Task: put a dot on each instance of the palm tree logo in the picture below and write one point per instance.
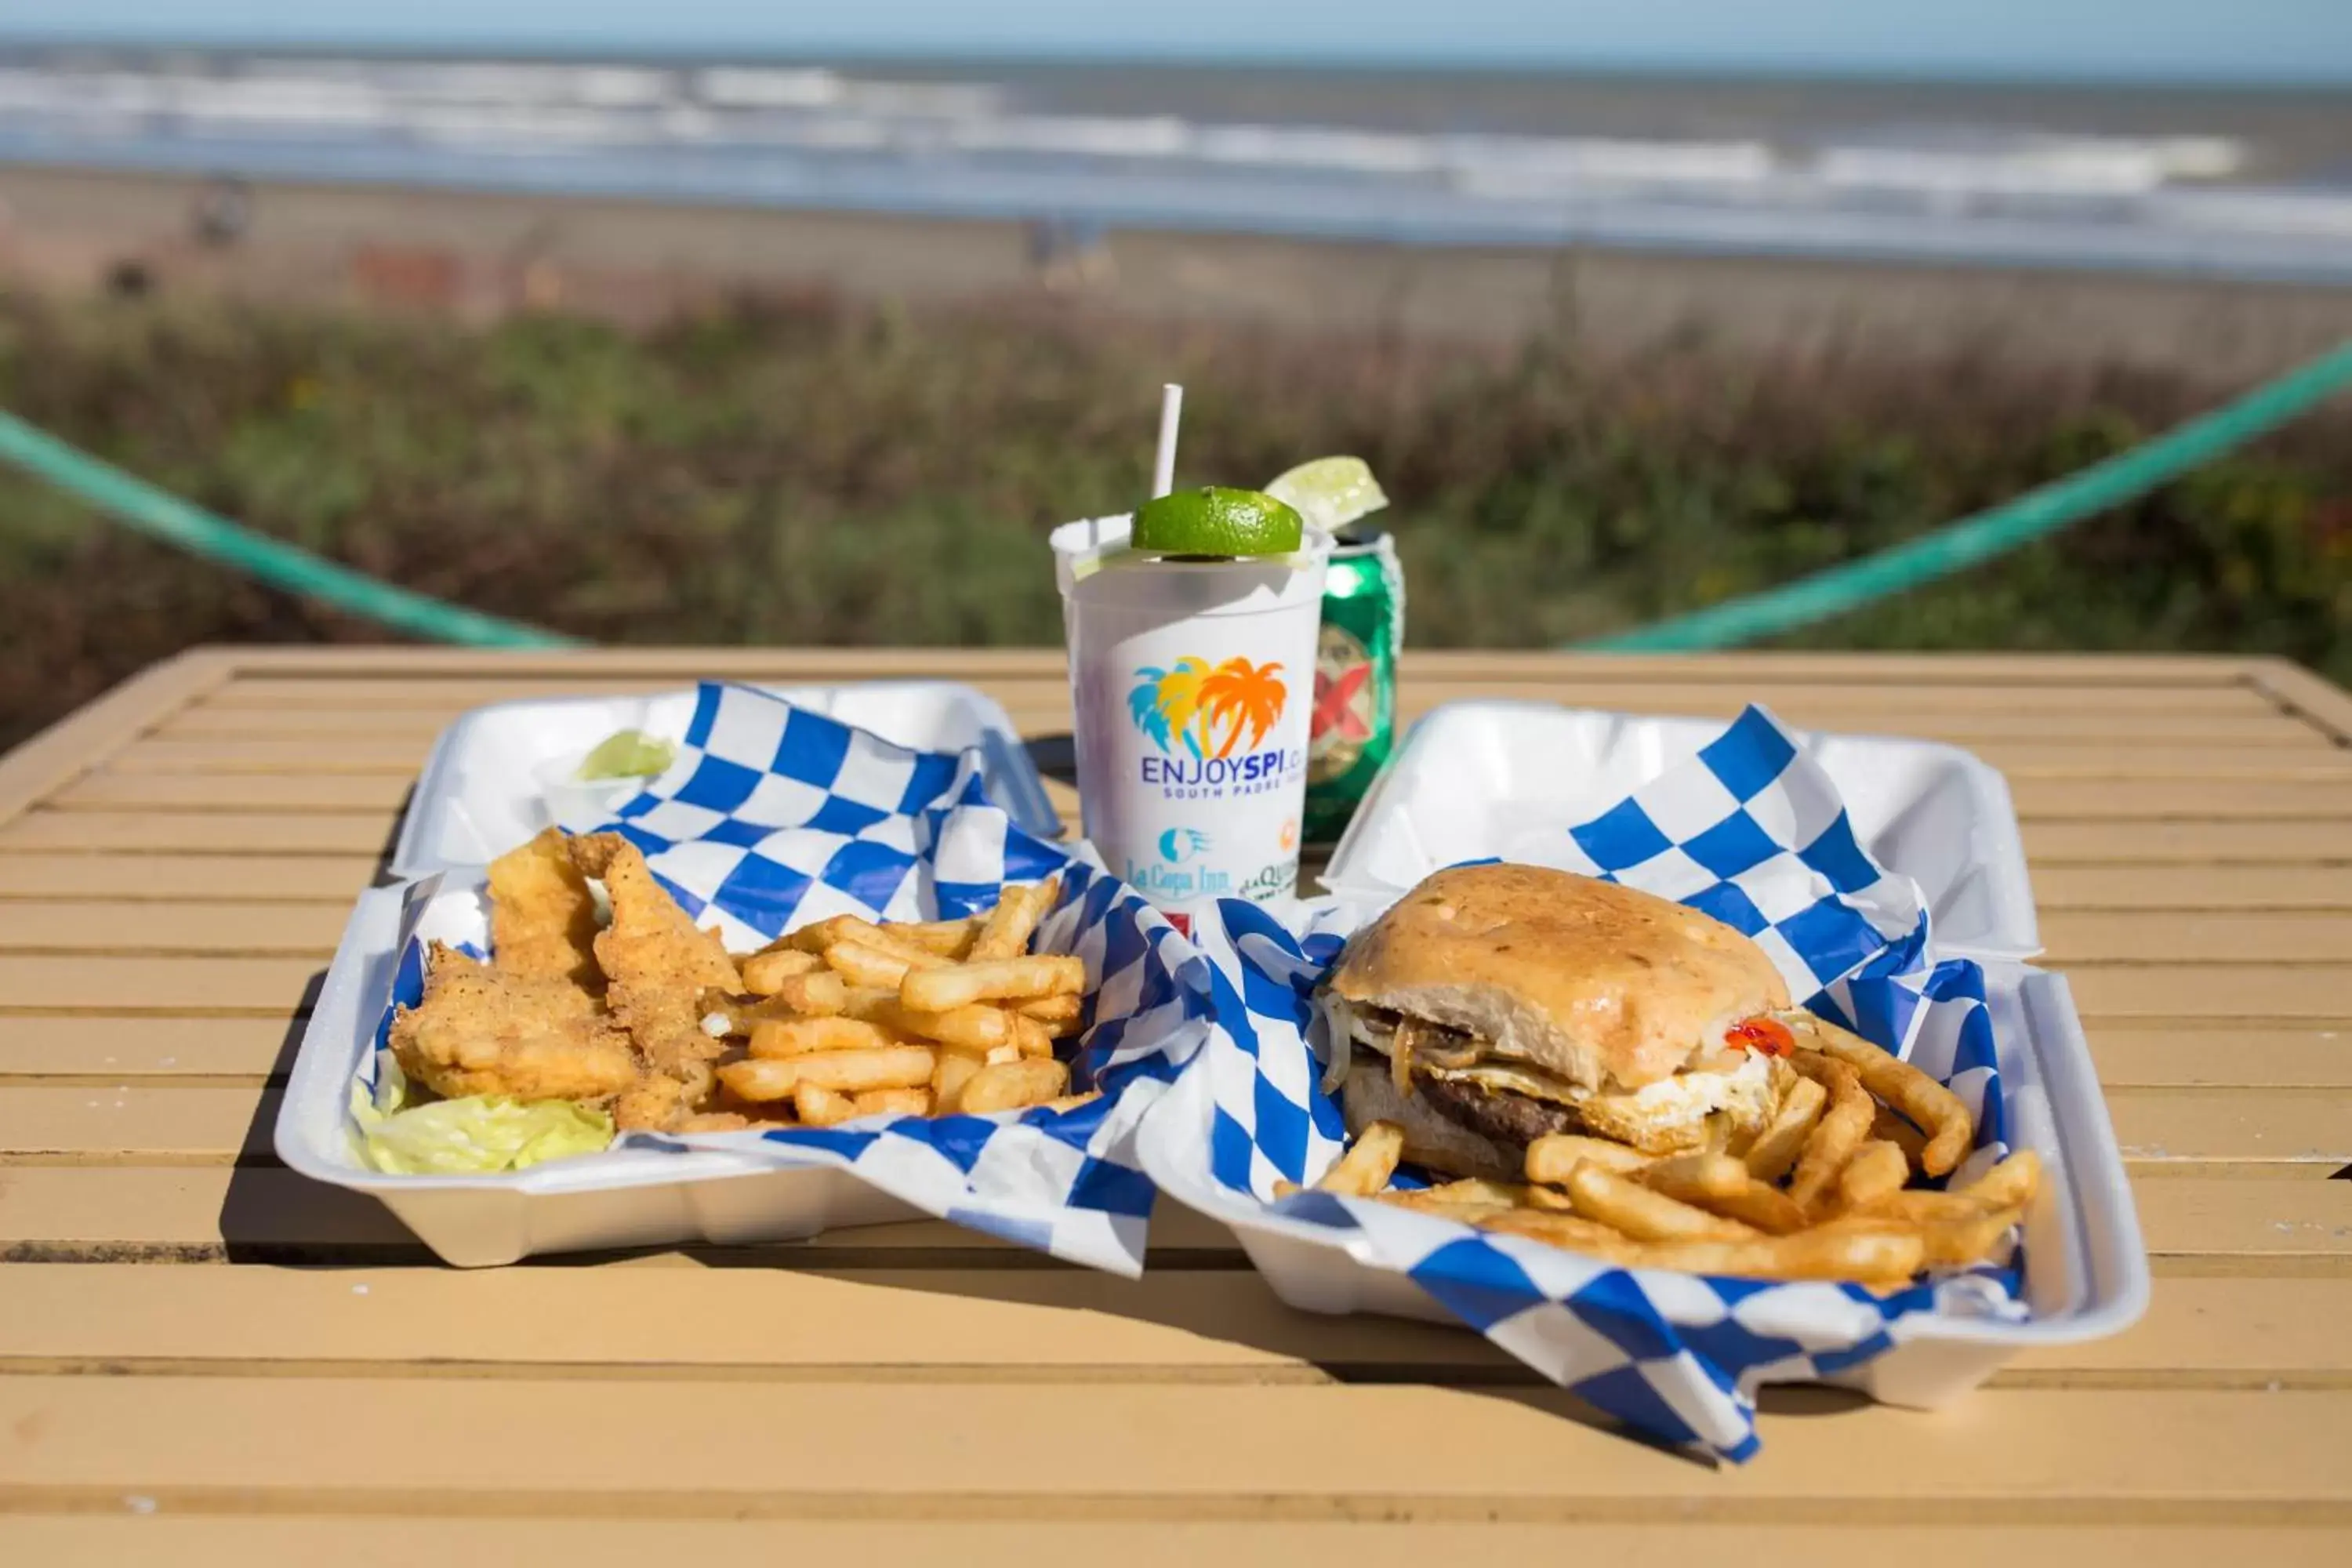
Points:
(1208, 709)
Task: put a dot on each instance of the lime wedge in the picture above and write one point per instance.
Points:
(630, 754)
(1332, 492)
(1216, 521)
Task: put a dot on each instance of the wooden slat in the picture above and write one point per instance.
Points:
(274, 833)
(141, 1124)
(205, 1211)
(2326, 843)
(2309, 1130)
(162, 754)
(2154, 936)
(1033, 1325)
(69, 925)
(2246, 1224)
(272, 986)
(237, 792)
(1170, 1451)
(2158, 800)
(164, 879)
(2056, 759)
(128, 1537)
(2222, 1055)
(76, 742)
(2308, 696)
(2066, 888)
(2236, 992)
(128, 1049)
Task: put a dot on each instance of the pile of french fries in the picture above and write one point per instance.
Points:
(849, 1018)
(1823, 1192)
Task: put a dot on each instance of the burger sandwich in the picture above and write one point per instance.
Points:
(1496, 1004)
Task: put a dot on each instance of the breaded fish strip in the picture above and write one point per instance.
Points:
(543, 916)
(481, 1032)
(658, 966)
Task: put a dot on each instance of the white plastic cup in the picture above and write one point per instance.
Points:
(1193, 683)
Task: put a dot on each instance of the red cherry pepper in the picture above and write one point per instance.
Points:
(1767, 1035)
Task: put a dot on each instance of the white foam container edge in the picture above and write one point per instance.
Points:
(1491, 777)
(623, 1198)
(485, 788)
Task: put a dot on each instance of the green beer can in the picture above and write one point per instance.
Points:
(1354, 725)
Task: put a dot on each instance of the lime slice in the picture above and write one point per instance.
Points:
(1332, 492)
(630, 754)
(1216, 521)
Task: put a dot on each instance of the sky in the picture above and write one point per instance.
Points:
(2302, 40)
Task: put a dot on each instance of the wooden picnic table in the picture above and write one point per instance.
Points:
(211, 1361)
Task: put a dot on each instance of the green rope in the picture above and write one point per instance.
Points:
(163, 516)
(1973, 541)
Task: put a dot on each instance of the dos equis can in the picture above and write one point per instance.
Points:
(1354, 721)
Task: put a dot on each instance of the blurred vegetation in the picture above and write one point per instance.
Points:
(810, 470)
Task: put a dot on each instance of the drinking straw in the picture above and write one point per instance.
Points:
(1163, 465)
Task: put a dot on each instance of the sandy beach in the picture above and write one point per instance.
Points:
(481, 256)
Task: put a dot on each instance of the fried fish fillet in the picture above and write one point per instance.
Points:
(480, 1031)
(543, 916)
(658, 966)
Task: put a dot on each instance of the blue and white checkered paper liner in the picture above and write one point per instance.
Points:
(772, 817)
(1750, 825)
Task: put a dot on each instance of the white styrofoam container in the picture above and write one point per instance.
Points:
(1494, 778)
(632, 1197)
(2085, 1269)
(1501, 778)
(500, 774)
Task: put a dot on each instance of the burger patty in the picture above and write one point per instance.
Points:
(1511, 1119)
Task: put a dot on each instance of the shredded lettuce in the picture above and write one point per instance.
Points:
(477, 1135)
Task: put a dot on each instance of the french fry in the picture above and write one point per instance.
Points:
(1774, 1154)
(1836, 1135)
(1917, 1206)
(820, 1106)
(1060, 1015)
(1955, 1244)
(937, 990)
(1033, 1038)
(845, 1072)
(1890, 1126)
(1876, 1169)
(1574, 1232)
(828, 933)
(1762, 1205)
(1552, 1156)
(819, 993)
(764, 973)
(863, 965)
(1068, 1102)
(893, 1103)
(1645, 1216)
(781, 1038)
(1428, 1200)
(1368, 1163)
(1695, 1178)
(1008, 1086)
(999, 1055)
(1006, 933)
(1950, 1128)
(1824, 1252)
(2010, 1185)
(1720, 1184)
(1478, 1190)
(975, 1029)
(955, 1070)
(948, 939)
